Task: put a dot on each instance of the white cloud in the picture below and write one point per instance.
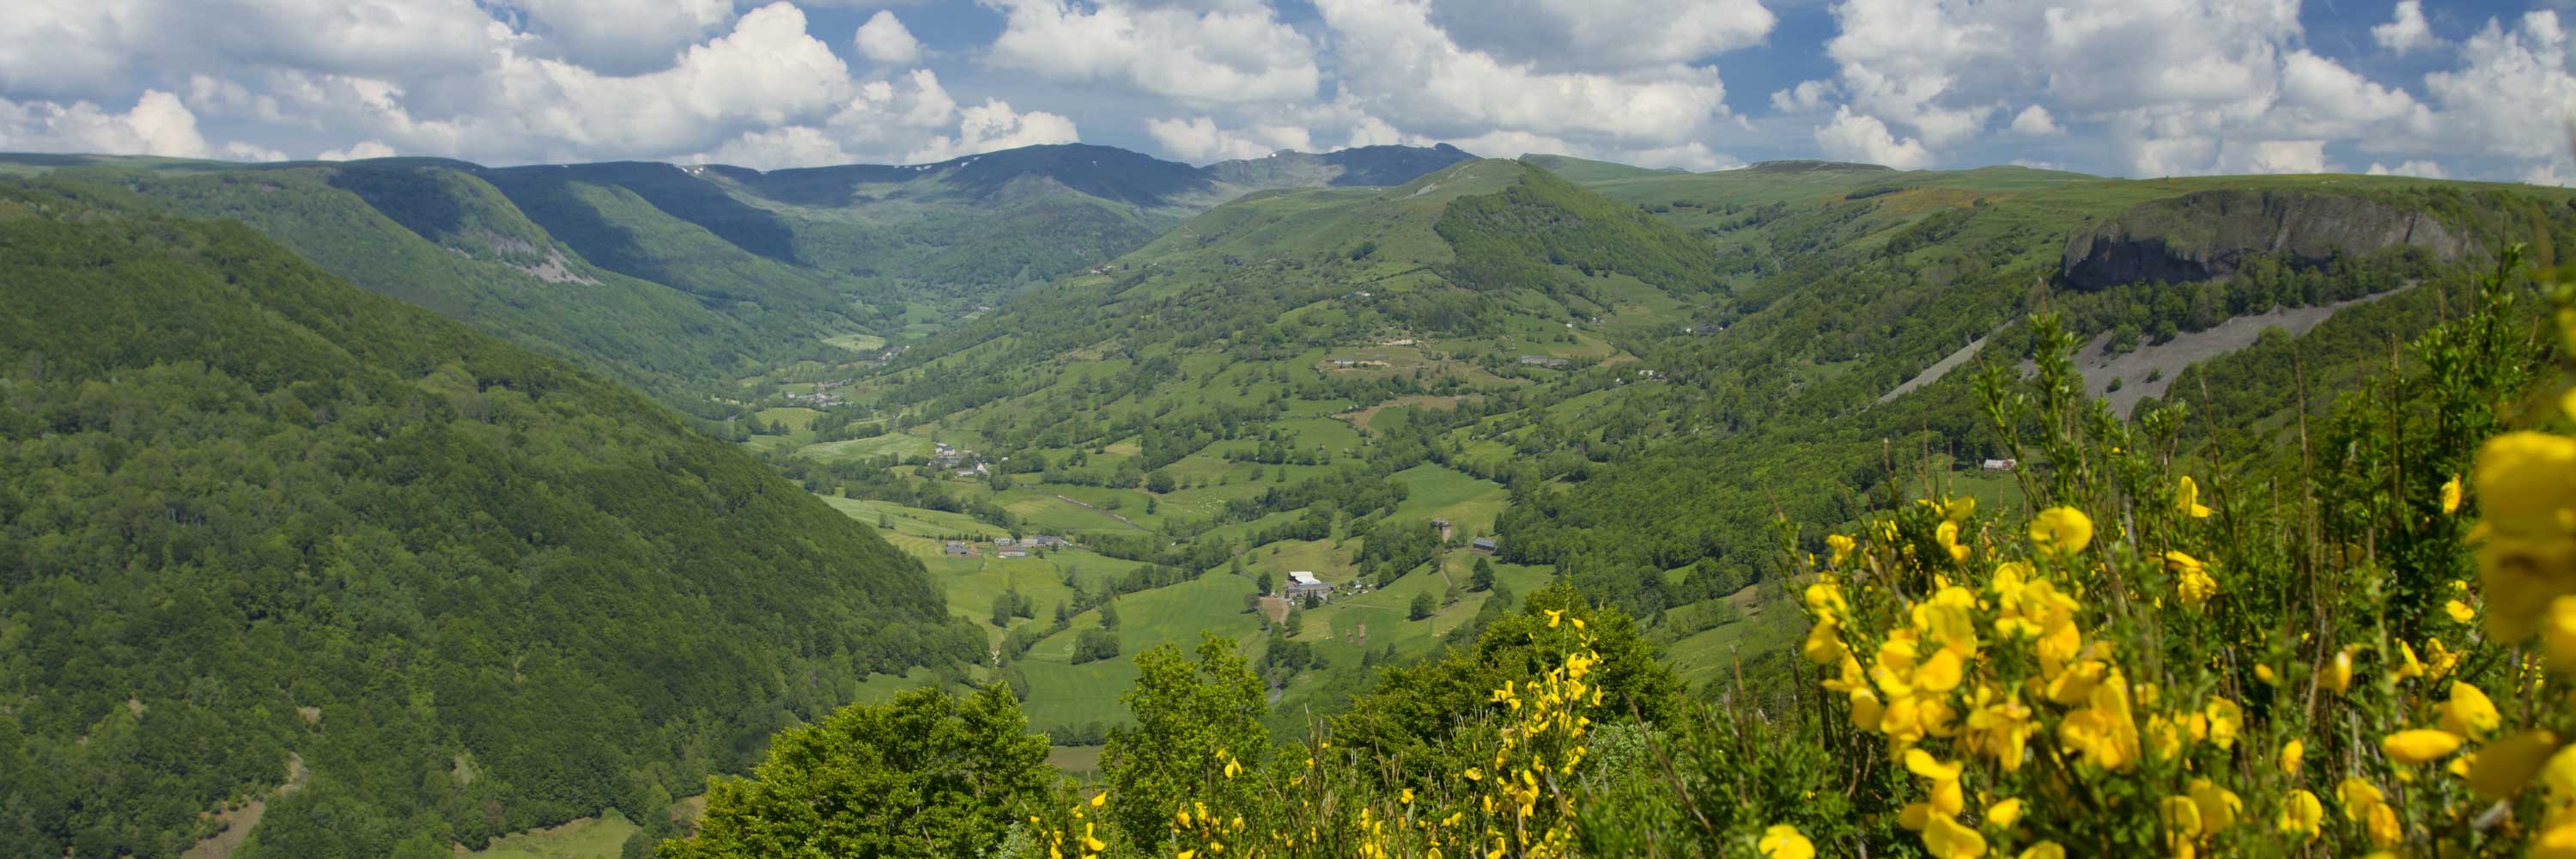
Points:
(2318, 95)
(2420, 169)
(1603, 35)
(1692, 156)
(1234, 53)
(994, 126)
(2273, 156)
(2513, 93)
(1395, 62)
(2547, 174)
(884, 40)
(157, 124)
(2035, 121)
(2407, 31)
(910, 120)
(95, 48)
(1199, 140)
(239, 151)
(1806, 96)
(1861, 137)
(625, 36)
(361, 150)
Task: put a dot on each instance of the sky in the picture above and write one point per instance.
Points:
(2464, 90)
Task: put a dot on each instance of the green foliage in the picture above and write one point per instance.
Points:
(1517, 237)
(1414, 710)
(248, 511)
(1093, 645)
(1189, 714)
(927, 775)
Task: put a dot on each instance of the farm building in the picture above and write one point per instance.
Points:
(1302, 583)
(1486, 545)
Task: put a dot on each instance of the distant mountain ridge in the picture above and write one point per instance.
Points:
(680, 279)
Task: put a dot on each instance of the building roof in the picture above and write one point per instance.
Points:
(1303, 577)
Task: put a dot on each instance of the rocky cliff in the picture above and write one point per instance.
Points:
(2202, 236)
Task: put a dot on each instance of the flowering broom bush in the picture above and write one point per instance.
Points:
(2148, 666)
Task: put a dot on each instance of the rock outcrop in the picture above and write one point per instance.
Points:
(2204, 235)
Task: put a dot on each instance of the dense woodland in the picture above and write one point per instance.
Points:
(250, 514)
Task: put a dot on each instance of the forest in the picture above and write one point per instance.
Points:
(254, 519)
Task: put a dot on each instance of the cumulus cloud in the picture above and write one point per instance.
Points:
(2035, 121)
(1806, 96)
(92, 48)
(910, 119)
(624, 36)
(2419, 169)
(1198, 139)
(1860, 137)
(1233, 52)
(1603, 35)
(2407, 31)
(1397, 62)
(2513, 91)
(157, 124)
(361, 150)
(884, 40)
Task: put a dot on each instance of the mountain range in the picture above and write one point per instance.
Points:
(1017, 417)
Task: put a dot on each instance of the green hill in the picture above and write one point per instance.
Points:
(1628, 380)
(685, 280)
(255, 520)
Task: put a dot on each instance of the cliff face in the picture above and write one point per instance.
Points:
(2202, 236)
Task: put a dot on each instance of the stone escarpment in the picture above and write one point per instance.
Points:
(2203, 236)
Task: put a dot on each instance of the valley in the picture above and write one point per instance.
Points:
(1019, 419)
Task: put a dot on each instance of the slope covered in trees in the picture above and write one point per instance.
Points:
(250, 514)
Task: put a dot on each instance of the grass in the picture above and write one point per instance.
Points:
(1064, 694)
(601, 837)
(913, 521)
(857, 342)
(875, 447)
(1470, 503)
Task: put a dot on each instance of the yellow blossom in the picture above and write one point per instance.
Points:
(1785, 842)
(1948, 536)
(2356, 796)
(2469, 712)
(2187, 497)
(2302, 813)
(2526, 484)
(2460, 612)
(2002, 814)
(1946, 839)
(2507, 764)
(1959, 509)
(1841, 547)
(2422, 745)
(2382, 827)
(2338, 674)
(2451, 495)
(2558, 633)
(2044, 850)
(1553, 615)
(2225, 719)
(2292, 753)
(2063, 530)
(2218, 806)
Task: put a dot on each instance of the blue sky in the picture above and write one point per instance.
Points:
(2119, 87)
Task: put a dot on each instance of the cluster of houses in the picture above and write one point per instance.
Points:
(1544, 361)
(1009, 547)
(944, 456)
(1350, 363)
